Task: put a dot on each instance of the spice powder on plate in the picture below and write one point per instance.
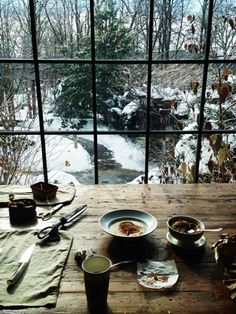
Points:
(128, 227)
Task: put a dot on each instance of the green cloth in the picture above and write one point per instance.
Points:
(39, 284)
(65, 194)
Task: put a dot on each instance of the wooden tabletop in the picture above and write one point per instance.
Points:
(199, 288)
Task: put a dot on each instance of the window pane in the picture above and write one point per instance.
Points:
(218, 158)
(121, 94)
(15, 31)
(179, 29)
(70, 159)
(121, 29)
(67, 96)
(172, 158)
(121, 159)
(63, 29)
(220, 103)
(223, 39)
(18, 99)
(20, 159)
(176, 96)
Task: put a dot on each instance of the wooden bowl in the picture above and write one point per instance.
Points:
(179, 225)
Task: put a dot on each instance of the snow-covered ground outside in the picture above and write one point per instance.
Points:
(65, 157)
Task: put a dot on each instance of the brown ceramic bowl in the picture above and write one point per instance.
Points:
(44, 191)
(179, 225)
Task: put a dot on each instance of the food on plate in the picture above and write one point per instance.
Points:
(128, 227)
(157, 275)
(153, 277)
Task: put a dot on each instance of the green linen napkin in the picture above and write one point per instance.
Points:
(65, 194)
(39, 284)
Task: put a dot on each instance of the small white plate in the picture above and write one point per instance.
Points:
(144, 222)
(191, 245)
(157, 275)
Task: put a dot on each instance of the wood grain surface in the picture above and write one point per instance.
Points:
(199, 288)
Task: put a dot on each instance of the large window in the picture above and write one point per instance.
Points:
(117, 91)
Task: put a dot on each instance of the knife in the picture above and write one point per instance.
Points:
(23, 262)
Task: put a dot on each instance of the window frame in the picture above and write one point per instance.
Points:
(36, 62)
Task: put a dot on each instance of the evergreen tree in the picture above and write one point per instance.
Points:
(112, 41)
(73, 101)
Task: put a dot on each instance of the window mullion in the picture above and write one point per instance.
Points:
(147, 143)
(93, 64)
(204, 85)
(38, 88)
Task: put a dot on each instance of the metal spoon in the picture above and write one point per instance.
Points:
(122, 262)
(199, 230)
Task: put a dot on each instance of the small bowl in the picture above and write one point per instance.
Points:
(44, 191)
(181, 233)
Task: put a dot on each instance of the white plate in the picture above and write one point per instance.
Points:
(191, 245)
(143, 222)
(157, 275)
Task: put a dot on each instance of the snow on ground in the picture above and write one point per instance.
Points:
(61, 156)
(64, 156)
(125, 153)
(58, 177)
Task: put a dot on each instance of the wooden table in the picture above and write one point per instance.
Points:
(199, 289)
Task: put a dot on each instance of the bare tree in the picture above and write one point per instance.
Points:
(13, 85)
(168, 26)
(223, 43)
(68, 22)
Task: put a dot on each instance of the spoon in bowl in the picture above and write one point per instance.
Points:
(199, 230)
